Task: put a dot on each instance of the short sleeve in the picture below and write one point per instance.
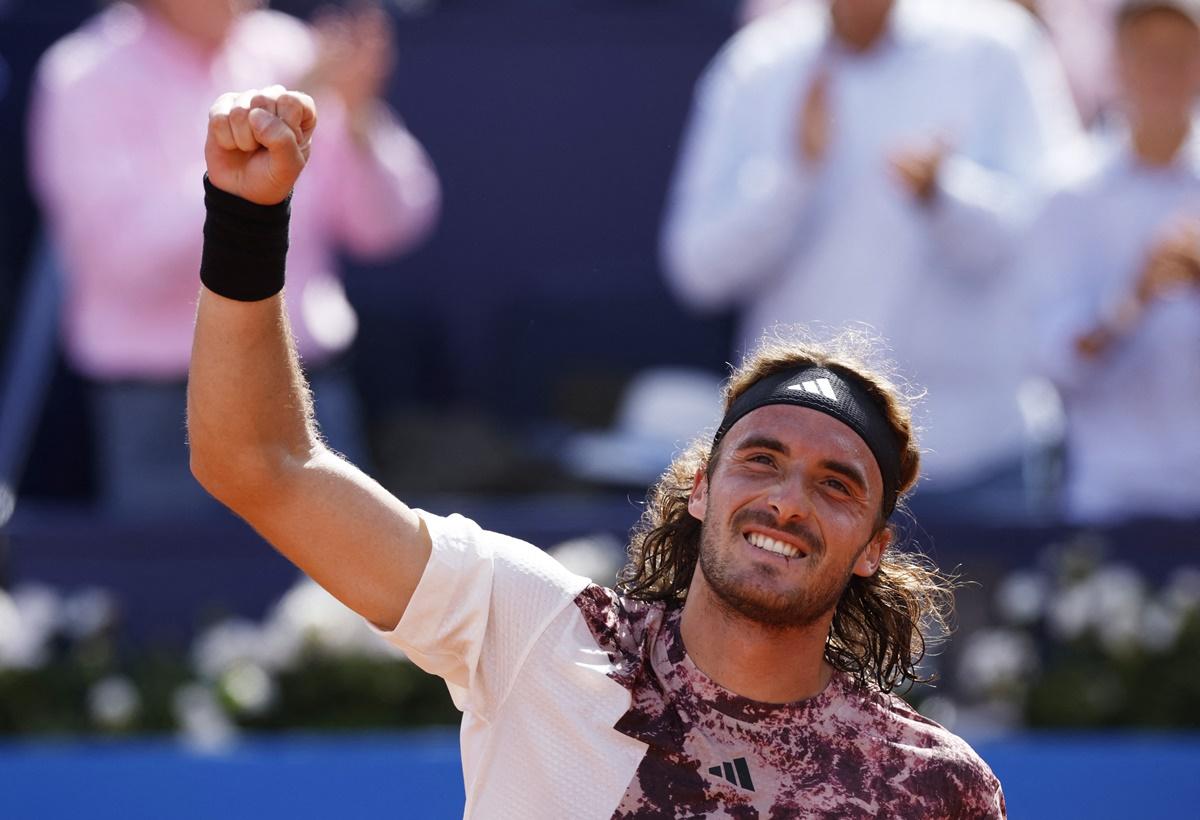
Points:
(482, 603)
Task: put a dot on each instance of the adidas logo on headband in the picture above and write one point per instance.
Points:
(818, 387)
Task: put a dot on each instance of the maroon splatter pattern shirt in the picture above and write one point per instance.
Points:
(849, 752)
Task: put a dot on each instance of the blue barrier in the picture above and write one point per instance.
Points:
(1095, 776)
(294, 776)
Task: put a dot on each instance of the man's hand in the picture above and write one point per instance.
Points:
(259, 142)
(356, 53)
(1173, 264)
(815, 125)
(918, 168)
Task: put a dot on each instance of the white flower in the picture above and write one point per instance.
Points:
(596, 557)
(1070, 612)
(1182, 592)
(1108, 604)
(225, 645)
(1160, 627)
(996, 659)
(308, 616)
(250, 687)
(113, 702)
(203, 725)
(88, 612)
(14, 651)
(1117, 596)
(28, 620)
(1021, 597)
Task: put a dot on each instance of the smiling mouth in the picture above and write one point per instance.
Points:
(768, 544)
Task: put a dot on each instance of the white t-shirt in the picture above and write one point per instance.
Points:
(580, 703)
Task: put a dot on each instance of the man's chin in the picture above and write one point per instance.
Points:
(770, 612)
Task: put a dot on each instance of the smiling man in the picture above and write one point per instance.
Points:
(743, 668)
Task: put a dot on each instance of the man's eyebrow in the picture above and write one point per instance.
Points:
(760, 442)
(849, 471)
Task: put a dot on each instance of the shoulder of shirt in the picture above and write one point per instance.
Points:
(779, 38)
(90, 49)
(914, 729)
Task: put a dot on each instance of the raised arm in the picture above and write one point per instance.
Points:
(254, 444)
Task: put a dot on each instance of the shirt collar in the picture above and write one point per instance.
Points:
(1185, 163)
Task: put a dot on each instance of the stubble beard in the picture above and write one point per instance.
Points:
(741, 595)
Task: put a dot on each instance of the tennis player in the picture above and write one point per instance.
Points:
(743, 667)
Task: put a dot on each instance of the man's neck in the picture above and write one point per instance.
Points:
(202, 43)
(1157, 143)
(859, 40)
(748, 659)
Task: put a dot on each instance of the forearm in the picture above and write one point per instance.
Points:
(249, 410)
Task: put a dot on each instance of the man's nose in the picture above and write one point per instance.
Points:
(789, 498)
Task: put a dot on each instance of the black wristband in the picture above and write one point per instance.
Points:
(245, 245)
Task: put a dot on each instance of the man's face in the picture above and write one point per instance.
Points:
(206, 21)
(860, 22)
(1158, 61)
(795, 480)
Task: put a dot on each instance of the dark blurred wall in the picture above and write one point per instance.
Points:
(554, 127)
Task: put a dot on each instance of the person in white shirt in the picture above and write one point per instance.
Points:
(874, 161)
(745, 667)
(1116, 260)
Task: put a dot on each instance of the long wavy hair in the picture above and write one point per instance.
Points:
(883, 624)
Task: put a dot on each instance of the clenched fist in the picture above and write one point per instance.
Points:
(259, 142)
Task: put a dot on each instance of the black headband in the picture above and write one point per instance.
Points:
(845, 399)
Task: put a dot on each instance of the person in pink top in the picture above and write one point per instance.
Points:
(116, 149)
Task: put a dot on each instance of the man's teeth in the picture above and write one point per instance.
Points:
(771, 545)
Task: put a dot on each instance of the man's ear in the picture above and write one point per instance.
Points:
(698, 500)
(872, 554)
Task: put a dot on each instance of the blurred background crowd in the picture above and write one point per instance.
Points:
(532, 236)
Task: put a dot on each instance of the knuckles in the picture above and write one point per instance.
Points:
(230, 114)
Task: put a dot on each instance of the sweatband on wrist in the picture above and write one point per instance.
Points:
(842, 398)
(245, 245)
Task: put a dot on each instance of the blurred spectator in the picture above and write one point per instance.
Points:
(1117, 256)
(117, 159)
(1080, 32)
(872, 161)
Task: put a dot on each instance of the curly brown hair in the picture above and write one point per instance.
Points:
(883, 624)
